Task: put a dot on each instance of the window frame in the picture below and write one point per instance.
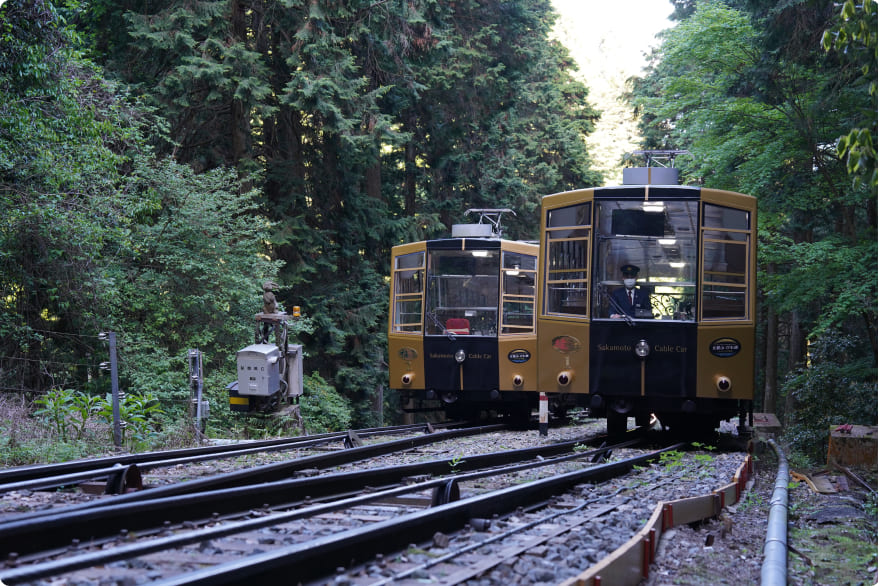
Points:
(714, 288)
(582, 233)
(397, 326)
(505, 328)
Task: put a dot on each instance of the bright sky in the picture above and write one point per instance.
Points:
(622, 30)
(609, 41)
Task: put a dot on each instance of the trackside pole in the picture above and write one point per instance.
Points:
(542, 414)
(117, 396)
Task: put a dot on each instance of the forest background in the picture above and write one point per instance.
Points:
(160, 160)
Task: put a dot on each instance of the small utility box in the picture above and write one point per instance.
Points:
(258, 370)
(295, 370)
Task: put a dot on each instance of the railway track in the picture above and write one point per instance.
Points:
(225, 497)
(124, 472)
(361, 525)
(423, 518)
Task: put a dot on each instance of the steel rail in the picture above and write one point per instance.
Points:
(267, 472)
(67, 473)
(105, 556)
(318, 557)
(33, 533)
(458, 552)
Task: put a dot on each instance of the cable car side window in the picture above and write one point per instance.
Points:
(409, 278)
(726, 262)
(567, 261)
(518, 293)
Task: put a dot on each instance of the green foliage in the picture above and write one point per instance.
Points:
(322, 408)
(846, 552)
(28, 439)
(193, 266)
(365, 125)
(760, 114)
(193, 62)
(672, 459)
(839, 386)
(29, 34)
(752, 499)
(855, 39)
(138, 417)
(63, 131)
(702, 446)
(67, 410)
(71, 417)
(504, 120)
(831, 270)
(55, 408)
(62, 126)
(860, 151)
(99, 234)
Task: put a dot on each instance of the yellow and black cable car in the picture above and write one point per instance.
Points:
(646, 301)
(461, 331)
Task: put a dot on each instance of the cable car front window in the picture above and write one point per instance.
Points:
(462, 295)
(653, 243)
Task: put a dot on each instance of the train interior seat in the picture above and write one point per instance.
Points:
(458, 325)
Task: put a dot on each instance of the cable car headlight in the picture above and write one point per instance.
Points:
(723, 384)
(564, 378)
(460, 356)
(642, 349)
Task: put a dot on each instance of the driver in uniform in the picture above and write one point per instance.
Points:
(632, 300)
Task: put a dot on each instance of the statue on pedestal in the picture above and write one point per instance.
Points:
(269, 303)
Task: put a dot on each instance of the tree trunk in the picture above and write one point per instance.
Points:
(409, 181)
(771, 357)
(796, 359)
(797, 353)
(374, 180)
(240, 122)
(379, 403)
